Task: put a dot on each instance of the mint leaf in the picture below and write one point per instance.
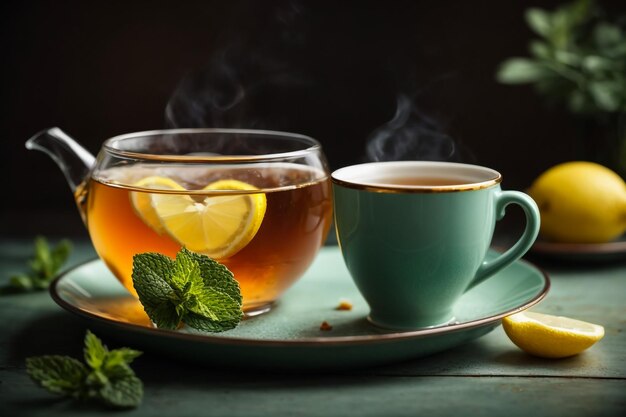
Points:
(95, 352)
(216, 275)
(48, 261)
(44, 266)
(151, 275)
(58, 374)
(22, 282)
(214, 311)
(165, 316)
(60, 255)
(124, 392)
(94, 382)
(186, 279)
(119, 356)
(107, 376)
(193, 289)
(116, 364)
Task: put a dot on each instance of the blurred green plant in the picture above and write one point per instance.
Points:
(579, 61)
(44, 267)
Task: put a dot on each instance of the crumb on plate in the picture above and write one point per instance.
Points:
(325, 326)
(344, 305)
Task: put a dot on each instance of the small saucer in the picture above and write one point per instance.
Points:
(582, 252)
(289, 336)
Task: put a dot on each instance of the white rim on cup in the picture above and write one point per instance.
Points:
(372, 176)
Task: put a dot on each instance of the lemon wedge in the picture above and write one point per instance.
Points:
(550, 336)
(218, 226)
(142, 202)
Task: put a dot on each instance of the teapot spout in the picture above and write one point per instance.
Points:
(75, 161)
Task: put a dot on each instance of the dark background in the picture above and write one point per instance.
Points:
(329, 69)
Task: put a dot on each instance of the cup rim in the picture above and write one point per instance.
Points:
(342, 178)
(109, 146)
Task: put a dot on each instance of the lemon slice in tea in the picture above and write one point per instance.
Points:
(550, 336)
(142, 202)
(219, 226)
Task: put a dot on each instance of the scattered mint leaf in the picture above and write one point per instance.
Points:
(123, 392)
(121, 356)
(21, 282)
(43, 267)
(106, 377)
(94, 351)
(58, 374)
(192, 289)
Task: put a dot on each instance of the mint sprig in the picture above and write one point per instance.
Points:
(106, 376)
(192, 289)
(43, 267)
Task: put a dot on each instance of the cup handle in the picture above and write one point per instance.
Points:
(502, 200)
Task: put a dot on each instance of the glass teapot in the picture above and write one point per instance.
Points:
(257, 201)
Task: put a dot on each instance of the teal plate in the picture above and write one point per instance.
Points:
(614, 251)
(289, 336)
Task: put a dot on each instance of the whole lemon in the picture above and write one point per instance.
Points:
(580, 202)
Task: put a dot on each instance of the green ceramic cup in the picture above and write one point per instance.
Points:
(414, 235)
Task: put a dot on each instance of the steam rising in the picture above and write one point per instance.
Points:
(281, 74)
(248, 76)
(202, 99)
(410, 135)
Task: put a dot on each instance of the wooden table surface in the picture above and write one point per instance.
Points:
(486, 377)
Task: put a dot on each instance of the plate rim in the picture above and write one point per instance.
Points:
(557, 248)
(357, 340)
